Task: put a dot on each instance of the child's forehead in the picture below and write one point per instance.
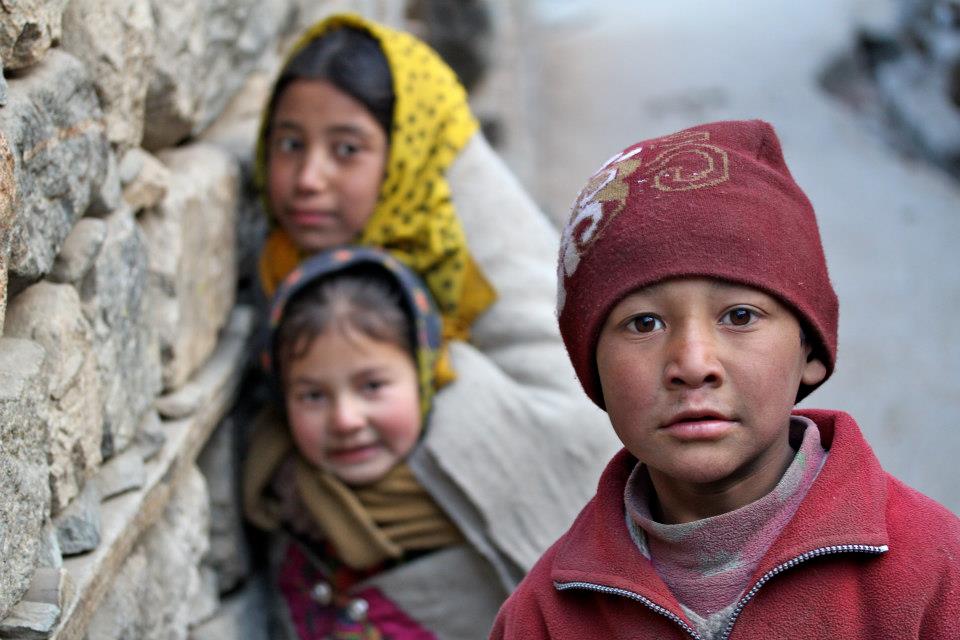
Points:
(688, 287)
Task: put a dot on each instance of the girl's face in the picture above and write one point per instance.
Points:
(326, 157)
(353, 404)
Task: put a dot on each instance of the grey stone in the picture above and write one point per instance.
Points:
(388, 12)
(79, 251)
(208, 50)
(51, 315)
(54, 127)
(228, 543)
(204, 605)
(130, 164)
(181, 402)
(28, 28)
(8, 198)
(48, 552)
(50, 586)
(150, 436)
(191, 248)
(115, 39)
(152, 597)
(30, 620)
(78, 525)
(121, 473)
(114, 301)
(242, 616)
(235, 132)
(119, 613)
(24, 472)
(149, 185)
(3, 86)
(106, 197)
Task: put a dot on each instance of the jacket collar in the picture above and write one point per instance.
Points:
(845, 506)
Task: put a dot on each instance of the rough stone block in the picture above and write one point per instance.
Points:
(30, 621)
(107, 196)
(115, 38)
(243, 615)
(150, 437)
(24, 472)
(192, 257)
(121, 473)
(54, 128)
(204, 605)
(228, 544)
(154, 593)
(235, 131)
(50, 314)
(147, 187)
(79, 251)
(119, 614)
(205, 51)
(49, 585)
(78, 525)
(114, 301)
(48, 554)
(28, 28)
(386, 11)
(8, 196)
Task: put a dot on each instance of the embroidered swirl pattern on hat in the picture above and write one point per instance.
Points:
(685, 161)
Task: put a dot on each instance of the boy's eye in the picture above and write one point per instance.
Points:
(739, 317)
(645, 323)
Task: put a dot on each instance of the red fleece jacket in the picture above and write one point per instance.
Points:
(865, 556)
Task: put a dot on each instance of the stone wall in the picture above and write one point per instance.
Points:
(127, 220)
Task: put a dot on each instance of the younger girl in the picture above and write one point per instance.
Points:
(368, 139)
(364, 551)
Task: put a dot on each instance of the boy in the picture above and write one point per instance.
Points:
(695, 304)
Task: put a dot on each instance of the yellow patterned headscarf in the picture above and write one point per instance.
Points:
(414, 218)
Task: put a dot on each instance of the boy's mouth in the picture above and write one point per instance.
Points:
(699, 425)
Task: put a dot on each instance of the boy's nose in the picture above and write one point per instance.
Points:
(692, 359)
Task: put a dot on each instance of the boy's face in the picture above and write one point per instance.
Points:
(699, 377)
(353, 405)
(326, 157)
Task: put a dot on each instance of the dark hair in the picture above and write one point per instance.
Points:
(353, 62)
(363, 299)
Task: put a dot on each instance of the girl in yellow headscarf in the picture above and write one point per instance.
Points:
(368, 139)
(361, 127)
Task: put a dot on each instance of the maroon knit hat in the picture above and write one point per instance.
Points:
(712, 201)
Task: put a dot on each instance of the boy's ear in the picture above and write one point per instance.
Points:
(814, 371)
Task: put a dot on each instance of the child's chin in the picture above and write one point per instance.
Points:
(699, 471)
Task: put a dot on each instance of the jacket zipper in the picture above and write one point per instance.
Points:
(561, 586)
(822, 551)
(803, 557)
